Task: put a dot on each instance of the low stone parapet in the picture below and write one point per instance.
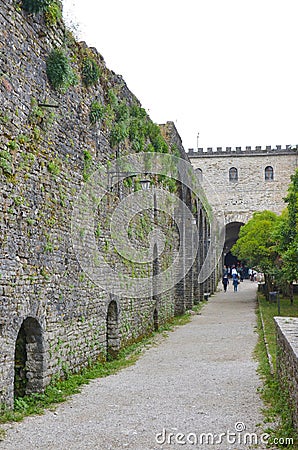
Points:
(287, 360)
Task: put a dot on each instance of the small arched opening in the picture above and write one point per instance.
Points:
(199, 174)
(113, 339)
(269, 173)
(29, 366)
(233, 174)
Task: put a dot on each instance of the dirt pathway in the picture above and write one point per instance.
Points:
(201, 379)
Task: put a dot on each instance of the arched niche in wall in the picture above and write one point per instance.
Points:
(29, 359)
(113, 338)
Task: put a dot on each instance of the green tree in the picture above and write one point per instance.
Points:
(286, 236)
(256, 245)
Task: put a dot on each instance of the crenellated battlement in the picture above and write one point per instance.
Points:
(243, 151)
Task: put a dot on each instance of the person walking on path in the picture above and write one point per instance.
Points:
(234, 271)
(225, 282)
(235, 282)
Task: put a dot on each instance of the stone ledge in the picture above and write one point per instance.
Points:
(287, 360)
(288, 326)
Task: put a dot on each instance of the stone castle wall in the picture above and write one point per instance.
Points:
(251, 192)
(62, 319)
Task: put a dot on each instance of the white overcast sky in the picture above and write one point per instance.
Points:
(224, 68)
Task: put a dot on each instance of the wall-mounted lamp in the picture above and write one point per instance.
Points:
(145, 184)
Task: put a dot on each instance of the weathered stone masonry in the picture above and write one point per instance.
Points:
(59, 319)
(240, 181)
(287, 360)
(250, 191)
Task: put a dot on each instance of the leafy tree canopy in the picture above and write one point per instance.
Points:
(255, 244)
(286, 233)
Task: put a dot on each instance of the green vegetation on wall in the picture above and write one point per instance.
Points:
(53, 13)
(90, 71)
(40, 117)
(51, 8)
(59, 71)
(5, 162)
(97, 112)
(128, 122)
(35, 6)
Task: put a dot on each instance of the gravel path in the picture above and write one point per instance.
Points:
(201, 379)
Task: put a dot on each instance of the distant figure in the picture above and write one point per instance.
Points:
(235, 282)
(225, 271)
(252, 275)
(234, 271)
(225, 282)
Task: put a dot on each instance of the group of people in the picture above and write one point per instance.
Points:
(237, 274)
(233, 273)
(252, 274)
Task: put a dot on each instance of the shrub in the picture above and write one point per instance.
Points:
(96, 112)
(59, 71)
(90, 71)
(53, 167)
(53, 13)
(13, 145)
(51, 8)
(35, 6)
(5, 162)
(87, 165)
(137, 111)
(119, 132)
(156, 138)
(122, 112)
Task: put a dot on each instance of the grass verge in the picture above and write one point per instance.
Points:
(277, 412)
(59, 390)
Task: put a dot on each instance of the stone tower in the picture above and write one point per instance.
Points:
(239, 181)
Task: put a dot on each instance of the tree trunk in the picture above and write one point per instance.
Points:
(266, 287)
(291, 293)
